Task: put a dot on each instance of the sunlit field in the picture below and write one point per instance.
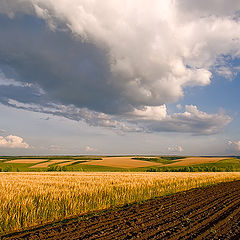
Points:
(119, 164)
(29, 199)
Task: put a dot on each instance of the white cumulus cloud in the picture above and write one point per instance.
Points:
(12, 141)
(175, 149)
(234, 146)
(90, 149)
(192, 120)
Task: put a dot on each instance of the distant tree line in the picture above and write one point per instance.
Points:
(7, 169)
(192, 169)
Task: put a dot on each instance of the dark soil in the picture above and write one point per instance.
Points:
(212, 212)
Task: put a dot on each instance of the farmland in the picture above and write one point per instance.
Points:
(48, 163)
(188, 161)
(119, 164)
(212, 214)
(26, 160)
(29, 199)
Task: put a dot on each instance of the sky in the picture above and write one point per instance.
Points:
(119, 77)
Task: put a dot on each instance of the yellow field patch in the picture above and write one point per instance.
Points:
(121, 162)
(26, 160)
(46, 164)
(196, 160)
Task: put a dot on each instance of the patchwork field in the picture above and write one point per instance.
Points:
(135, 162)
(121, 162)
(29, 199)
(46, 164)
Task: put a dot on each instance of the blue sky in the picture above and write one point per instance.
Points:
(119, 77)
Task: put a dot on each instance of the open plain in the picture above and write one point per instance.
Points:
(117, 163)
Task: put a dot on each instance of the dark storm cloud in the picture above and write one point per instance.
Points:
(19, 93)
(68, 69)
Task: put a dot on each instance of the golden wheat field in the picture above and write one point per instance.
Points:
(29, 199)
(197, 160)
(121, 162)
(26, 161)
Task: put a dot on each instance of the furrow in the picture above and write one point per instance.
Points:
(150, 221)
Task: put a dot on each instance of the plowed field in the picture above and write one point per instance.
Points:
(212, 212)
